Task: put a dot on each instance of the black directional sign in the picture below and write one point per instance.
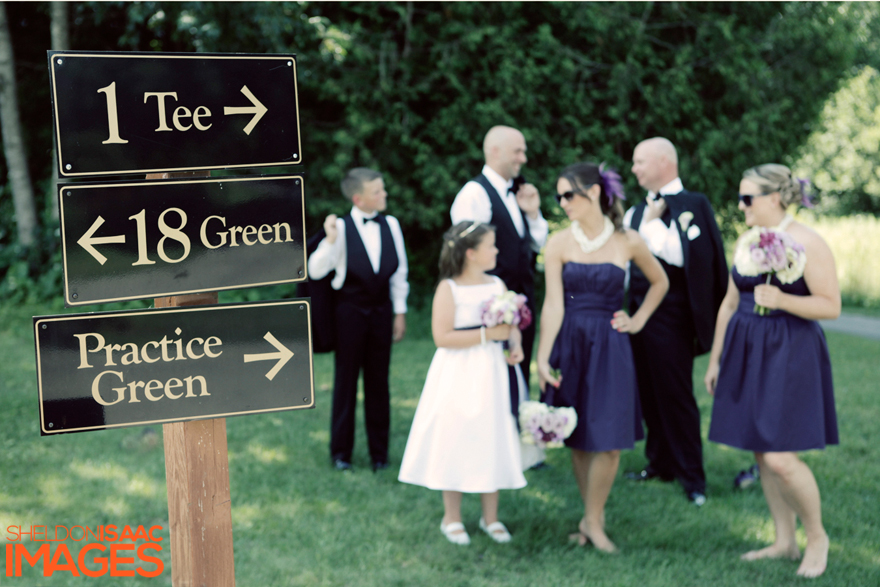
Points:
(144, 239)
(107, 370)
(119, 113)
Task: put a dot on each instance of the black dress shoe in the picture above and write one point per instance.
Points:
(341, 465)
(379, 465)
(646, 475)
(697, 498)
(541, 465)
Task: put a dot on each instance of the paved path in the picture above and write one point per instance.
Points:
(855, 324)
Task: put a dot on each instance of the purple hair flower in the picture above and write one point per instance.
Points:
(611, 183)
(806, 196)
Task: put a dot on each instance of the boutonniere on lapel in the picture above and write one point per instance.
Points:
(684, 221)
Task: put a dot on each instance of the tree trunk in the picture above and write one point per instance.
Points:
(60, 26)
(13, 142)
(60, 29)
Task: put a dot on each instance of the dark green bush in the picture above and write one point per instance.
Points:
(410, 88)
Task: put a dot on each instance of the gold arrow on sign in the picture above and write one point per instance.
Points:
(88, 240)
(283, 355)
(258, 110)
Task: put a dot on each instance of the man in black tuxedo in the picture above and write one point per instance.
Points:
(680, 229)
(366, 250)
(514, 209)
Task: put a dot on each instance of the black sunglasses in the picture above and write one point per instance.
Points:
(747, 198)
(569, 195)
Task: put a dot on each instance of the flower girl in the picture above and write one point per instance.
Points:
(464, 437)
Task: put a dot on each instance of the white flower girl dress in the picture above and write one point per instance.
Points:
(464, 437)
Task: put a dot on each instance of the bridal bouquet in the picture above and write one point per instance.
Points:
(763, 251)
(545, 426)
(507, 308)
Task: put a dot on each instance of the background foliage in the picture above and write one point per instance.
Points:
(844, 150)
(411, 88)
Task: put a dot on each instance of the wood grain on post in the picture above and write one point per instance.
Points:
(197, 477)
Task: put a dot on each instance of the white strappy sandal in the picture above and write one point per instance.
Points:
(455, 533)
(496, 531)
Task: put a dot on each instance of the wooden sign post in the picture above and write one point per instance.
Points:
(199, 502)
(197, 479)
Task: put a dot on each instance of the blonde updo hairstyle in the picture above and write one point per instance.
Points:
(772, 177)
(456, 241)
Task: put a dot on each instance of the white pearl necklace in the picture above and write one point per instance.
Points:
(589, 245)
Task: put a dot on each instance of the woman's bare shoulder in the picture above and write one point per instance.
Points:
(808, 237)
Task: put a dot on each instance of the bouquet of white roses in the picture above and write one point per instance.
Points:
(769, 252)
(545, 426)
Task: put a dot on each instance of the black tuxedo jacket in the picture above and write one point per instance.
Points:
(705, 266)
(323, 302)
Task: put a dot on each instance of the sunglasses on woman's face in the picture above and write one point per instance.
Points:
(747, 198)
(569, 196)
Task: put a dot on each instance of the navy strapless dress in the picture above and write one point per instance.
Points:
(596, 362)
(774, 390)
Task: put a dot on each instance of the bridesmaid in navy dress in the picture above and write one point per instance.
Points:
(771, 375)
(584, 333)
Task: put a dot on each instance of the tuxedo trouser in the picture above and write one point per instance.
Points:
(363, 341)
(664, 358)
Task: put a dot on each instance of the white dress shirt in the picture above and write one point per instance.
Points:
(663, 241)
(473, 203)
(329, 256)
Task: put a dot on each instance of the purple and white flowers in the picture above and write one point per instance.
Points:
(545, 426)
(763, 251)
(507, 308)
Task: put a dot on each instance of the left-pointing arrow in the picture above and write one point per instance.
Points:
(283, 355)
(258, 110)
(88, 240)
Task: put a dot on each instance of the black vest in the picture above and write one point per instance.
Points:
(363, 287)
(516, 261)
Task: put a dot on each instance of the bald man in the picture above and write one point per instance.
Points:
(520, 229)
(680, 230)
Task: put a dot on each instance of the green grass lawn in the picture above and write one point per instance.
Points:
(297, 522)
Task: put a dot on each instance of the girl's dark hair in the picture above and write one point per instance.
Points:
(582, 176)
(456, 241)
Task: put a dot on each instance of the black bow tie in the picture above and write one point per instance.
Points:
(518, 182)
(372, 219)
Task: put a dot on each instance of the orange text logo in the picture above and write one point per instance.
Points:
(95, 559)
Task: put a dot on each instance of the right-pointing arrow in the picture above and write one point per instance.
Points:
(258, 110)
(88, 240)
(283, 355)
